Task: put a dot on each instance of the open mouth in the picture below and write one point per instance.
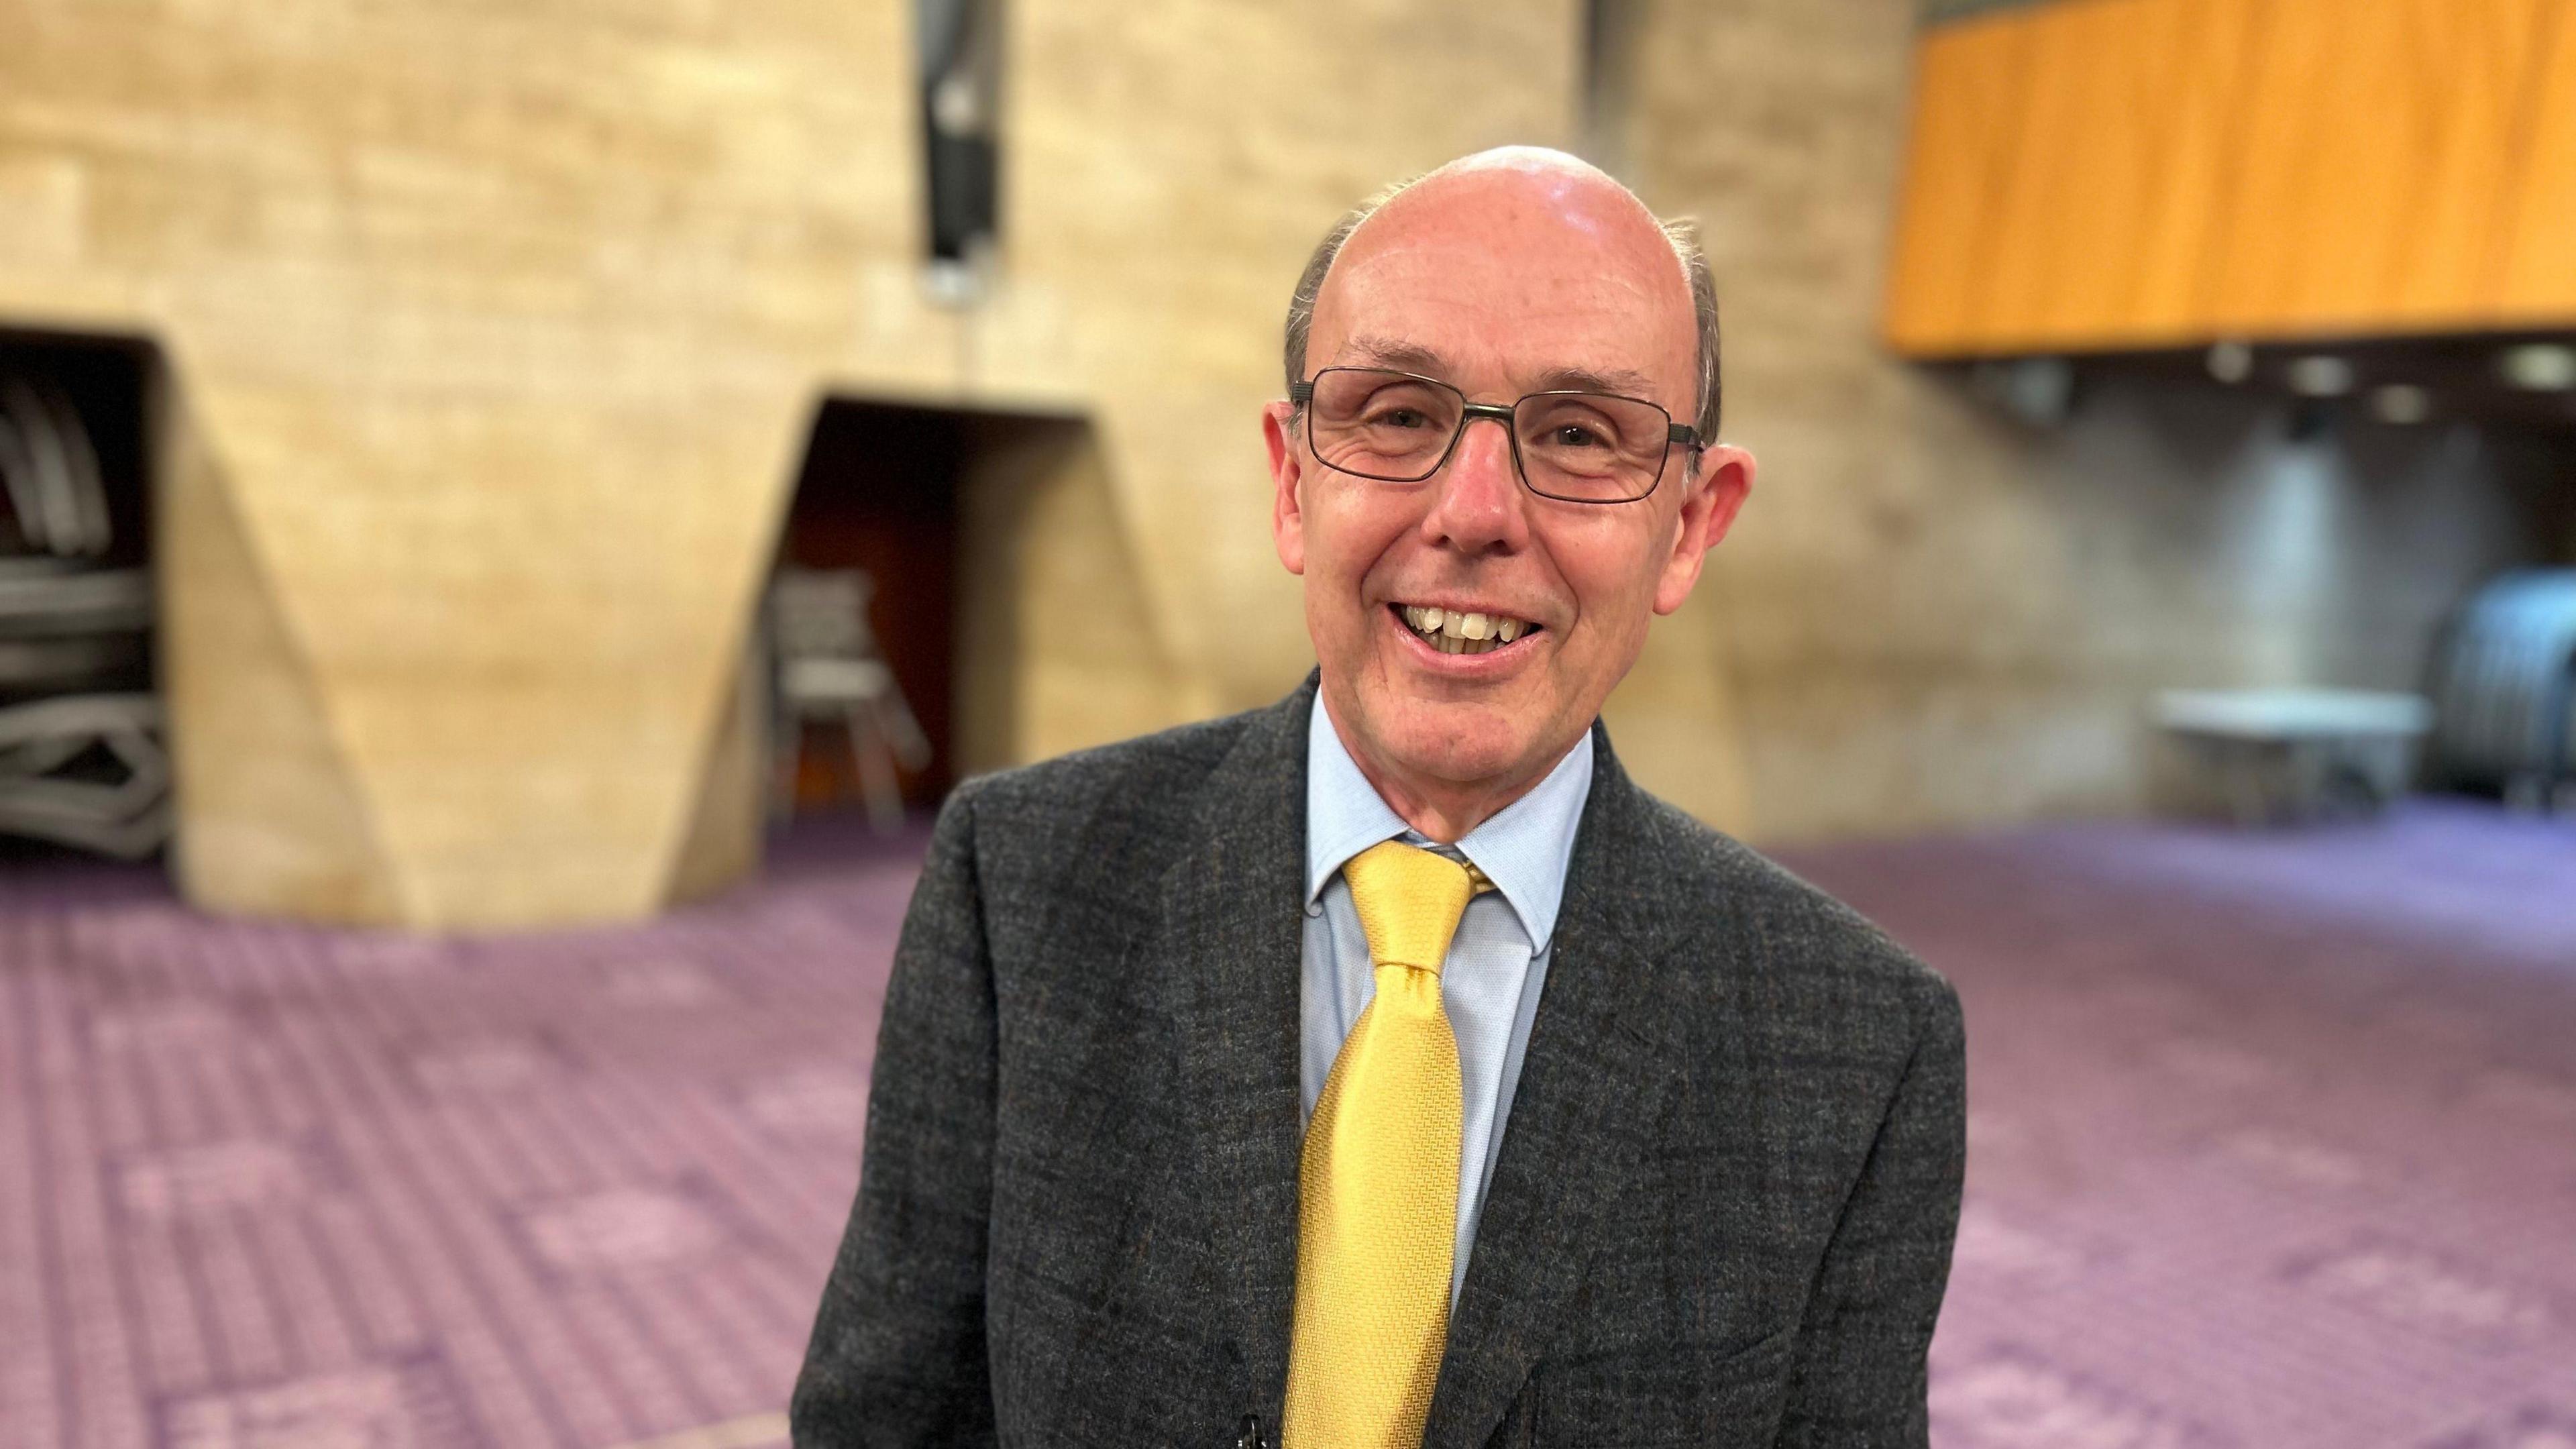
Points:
(1452, 631)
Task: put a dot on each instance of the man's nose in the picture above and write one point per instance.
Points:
(1480, 502)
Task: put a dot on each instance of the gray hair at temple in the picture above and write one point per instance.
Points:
(1682, 232)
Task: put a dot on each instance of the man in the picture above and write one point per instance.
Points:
(1383, 1067)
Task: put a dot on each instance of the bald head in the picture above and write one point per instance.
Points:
(1529, 211)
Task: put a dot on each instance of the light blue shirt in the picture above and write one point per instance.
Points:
(1497, 962)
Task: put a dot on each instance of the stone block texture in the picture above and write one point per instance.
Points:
(492, 335)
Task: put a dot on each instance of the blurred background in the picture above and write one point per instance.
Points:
(514, 514)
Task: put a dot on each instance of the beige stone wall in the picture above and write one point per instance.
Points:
(493, 330)
(492, 333)
(1930, 616)
(1057, 646)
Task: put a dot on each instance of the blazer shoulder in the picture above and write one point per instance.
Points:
(1157, 762)
(1794, 931)
(1086, 801)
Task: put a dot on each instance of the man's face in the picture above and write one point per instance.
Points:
(1501, 279)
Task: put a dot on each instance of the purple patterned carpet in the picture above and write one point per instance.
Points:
(2273, 1146)
(2272, 1136)
(264, 1187)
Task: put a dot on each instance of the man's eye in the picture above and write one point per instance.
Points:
(1402, 418)
(1571, 436)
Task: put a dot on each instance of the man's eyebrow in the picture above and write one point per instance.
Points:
(1388, 352)
(1414, 357)
(1620, 380)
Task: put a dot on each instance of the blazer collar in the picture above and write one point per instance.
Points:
(1592, 1087)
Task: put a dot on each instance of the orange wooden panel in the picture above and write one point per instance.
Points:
(2105, 216)
(1967, 95)
(2373, 164)
(2537, 273)
(2188, 95)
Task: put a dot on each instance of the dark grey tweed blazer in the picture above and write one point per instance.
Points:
(1722, 1214)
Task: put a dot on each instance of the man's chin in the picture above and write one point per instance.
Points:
(1462, 744)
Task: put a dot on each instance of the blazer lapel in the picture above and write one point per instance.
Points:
(1228, 948)
(1591, 1089)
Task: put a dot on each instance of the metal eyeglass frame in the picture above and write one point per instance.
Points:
(1303, 395)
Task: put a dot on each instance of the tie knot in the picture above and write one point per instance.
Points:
(1409, 901)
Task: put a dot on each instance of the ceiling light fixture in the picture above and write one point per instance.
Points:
(2230, 361)
(2401, 403)
(2321, 374)
(2539, 366)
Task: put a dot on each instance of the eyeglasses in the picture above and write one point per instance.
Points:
(1578, 447)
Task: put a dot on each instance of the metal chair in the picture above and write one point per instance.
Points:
(828, 668)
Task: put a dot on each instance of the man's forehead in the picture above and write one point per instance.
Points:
(1551, 254)
(1529, 206)
(1548, 272)
(1539, 374)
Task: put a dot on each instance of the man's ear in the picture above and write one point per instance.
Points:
(1287, 471)
(1717, 490)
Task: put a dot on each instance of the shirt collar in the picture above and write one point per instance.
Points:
(1524, 849)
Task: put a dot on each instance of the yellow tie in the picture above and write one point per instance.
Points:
(1377, 1200)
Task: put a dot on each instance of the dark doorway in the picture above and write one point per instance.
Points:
(105, 382)
(878, 492)
(82, 763)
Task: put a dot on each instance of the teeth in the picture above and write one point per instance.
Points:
(1453, 631)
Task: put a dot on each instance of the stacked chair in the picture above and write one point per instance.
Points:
(81, 755)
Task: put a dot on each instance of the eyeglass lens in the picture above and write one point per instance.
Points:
(1392, 426)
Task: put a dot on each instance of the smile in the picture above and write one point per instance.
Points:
(1453, 631)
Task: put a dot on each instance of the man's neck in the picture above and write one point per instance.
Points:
(1441, 811)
